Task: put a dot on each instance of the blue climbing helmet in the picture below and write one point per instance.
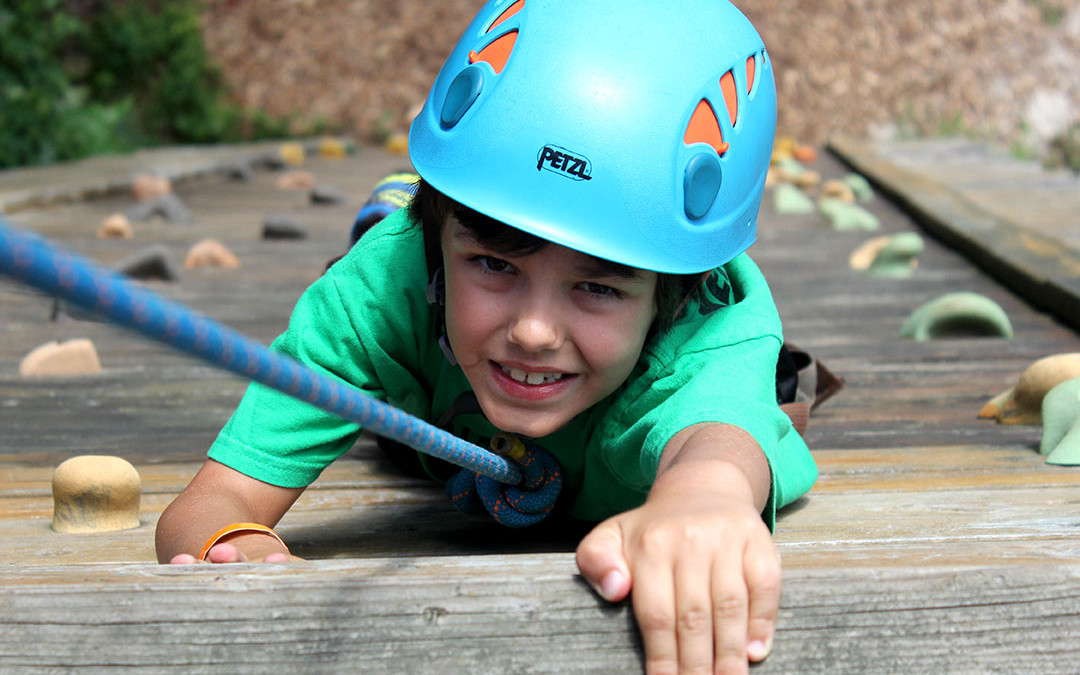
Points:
(639, 131)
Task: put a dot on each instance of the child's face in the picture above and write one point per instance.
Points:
(541, 337)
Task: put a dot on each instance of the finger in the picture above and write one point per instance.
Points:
(183, 559)
(655, 611)
(277, 558)
(729, 612)
(763, 581)
(601, 561)
(225, 553)
(694, 615)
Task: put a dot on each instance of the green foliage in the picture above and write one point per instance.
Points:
(1064, 149)
(154, 52)
(1052, 12)
(43, 113)
(118, 75)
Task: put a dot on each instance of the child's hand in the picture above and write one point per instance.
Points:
(226, 552)
(705, 577)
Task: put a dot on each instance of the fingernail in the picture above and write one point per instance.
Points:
(757, 650)
(611, 584)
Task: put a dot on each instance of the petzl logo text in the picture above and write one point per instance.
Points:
(563, 162)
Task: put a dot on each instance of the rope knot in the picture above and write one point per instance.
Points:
(511, 505)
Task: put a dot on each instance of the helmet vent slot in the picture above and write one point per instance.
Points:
(731, 95)
(751, 67)
(705, 128)
(497, 53)
(509, 12)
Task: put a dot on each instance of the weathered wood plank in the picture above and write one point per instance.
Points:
(933, 542)
(1037, 266)
(523, 614)
(902, 506)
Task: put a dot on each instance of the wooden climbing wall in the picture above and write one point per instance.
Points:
(933, 541)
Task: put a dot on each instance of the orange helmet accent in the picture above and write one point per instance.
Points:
(497, 53)
(510, 11)
(731, 95)
(705, 128)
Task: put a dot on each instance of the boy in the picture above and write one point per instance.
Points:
(572, 269)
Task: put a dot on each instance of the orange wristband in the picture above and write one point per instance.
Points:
(238, 527)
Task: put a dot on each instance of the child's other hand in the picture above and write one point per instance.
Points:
(705, 577)
(228, 553)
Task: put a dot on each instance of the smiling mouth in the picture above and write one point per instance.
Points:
(526, 377)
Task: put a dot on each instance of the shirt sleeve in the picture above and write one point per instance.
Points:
(717, 367)
(359, 323)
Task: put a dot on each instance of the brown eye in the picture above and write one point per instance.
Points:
(493, 264)
(601, 289)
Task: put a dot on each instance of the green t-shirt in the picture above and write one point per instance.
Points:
(367, 322)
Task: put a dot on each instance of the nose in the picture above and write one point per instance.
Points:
(535, 330)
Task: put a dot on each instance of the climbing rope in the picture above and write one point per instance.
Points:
(512, 506)
(30, 259)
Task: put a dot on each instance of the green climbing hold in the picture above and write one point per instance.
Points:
(1061, 424)
(860, 187)
(898, 257)
(847, 216)
(790, 200)
(961, 314)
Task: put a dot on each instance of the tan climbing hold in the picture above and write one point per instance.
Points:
(332, 148)
(1022, 404)
(115, 226)
(397, 144)
(787, 170)
(296, 180)
(862, 257)
(837, 189)
(210, 253)
(72, 357)
(888, 256)
(771, 179)
(292, 153)
(808, 180)
(785, 145)
(146, 187)
(95, 493)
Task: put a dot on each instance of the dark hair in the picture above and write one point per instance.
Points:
(431, 208)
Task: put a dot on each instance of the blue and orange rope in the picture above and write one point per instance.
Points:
(33, 261)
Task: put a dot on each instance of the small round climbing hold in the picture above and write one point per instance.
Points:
(95, 493)
(71, 357)
(210, 253)
(292, 154)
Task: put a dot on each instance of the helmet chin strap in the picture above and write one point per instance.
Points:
(436, 295)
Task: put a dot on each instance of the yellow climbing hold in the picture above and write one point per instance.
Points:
(1022, 404)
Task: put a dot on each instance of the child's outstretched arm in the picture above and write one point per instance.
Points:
(217, 497)
(700, 560)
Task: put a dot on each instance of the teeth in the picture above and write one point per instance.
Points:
(532, 378)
